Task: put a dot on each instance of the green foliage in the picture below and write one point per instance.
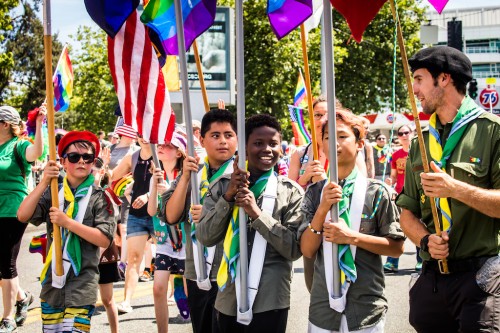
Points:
(24, 87)
(94, 99)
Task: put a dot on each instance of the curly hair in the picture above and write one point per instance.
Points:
(261, 120)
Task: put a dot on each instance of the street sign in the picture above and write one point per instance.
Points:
(488, 98)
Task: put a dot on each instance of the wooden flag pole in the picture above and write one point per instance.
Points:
(421, 143)
(186, 105)
(201, 77)
(332, 131)
(47, 41)
(308, 91)
(240, 107)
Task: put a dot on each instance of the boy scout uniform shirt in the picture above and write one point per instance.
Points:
(366, 302)
(189, 269)
(280, 232)
(476, 161)
(79, 290)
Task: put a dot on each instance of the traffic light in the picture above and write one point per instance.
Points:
(473, 89)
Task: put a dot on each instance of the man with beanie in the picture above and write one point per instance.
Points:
(463, 146)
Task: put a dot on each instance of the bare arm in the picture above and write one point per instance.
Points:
(35, 151)
(370, 167)
(29, 204)
(293, 171)
(122, 169)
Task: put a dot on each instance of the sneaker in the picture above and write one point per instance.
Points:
(145, 277)
(389, 267)
(418, 267)
(22, 308)
(7, 325)
(124, 308)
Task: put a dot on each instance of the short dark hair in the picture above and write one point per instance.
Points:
(100, 132)
(216, 116)
(459, 82)
(260, 120)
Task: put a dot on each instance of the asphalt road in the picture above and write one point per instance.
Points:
(142, 319)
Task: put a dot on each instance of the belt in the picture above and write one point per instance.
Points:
(456, 266)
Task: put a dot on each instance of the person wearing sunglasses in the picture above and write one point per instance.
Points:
(398, 165)
(463, 150)
(86, 221)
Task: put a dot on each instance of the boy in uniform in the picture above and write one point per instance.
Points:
(86, 220)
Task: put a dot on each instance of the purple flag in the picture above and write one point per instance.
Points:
(286, 15)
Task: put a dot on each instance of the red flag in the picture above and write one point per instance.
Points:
(139, 82)
(358, 14)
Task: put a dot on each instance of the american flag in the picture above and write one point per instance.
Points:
(139, 82)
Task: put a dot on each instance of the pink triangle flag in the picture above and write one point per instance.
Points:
(438, 4)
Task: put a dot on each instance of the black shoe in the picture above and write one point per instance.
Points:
(22, 308)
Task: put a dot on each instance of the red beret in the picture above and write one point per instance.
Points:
(78, 136)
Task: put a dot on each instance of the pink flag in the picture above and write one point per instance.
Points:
(438, 4)
(139, 83)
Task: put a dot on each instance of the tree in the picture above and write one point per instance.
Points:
(363, 72)
(26, 87)
(94, 99)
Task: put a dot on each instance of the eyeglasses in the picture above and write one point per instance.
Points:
(403, 133)
(75, 157)
(382, 139)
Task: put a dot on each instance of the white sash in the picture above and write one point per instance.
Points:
(60, 281)
(257, 257)
(355, 211)
(209, 258)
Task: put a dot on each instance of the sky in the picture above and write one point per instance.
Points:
(68, 15)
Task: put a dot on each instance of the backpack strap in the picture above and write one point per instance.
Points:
(19, 161)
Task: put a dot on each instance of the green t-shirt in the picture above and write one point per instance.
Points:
(13, 187)
(476, 161)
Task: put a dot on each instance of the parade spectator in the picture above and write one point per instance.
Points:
(382, 157)
(113, 138)
(398, 165)
(273, 221)
(125, 146)
(218, 136)
(16, 158)
(463, 147)
(139, 223)
(170, 249)
(365, 161)
(104, 143)
(365, 231)
(85, 219)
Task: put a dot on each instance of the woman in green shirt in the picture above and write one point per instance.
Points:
(16, 156)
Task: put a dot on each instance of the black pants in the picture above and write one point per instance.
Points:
(265, 322)
(201, 307)
(454, 303)
(10, 241)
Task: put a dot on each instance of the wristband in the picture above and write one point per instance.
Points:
(314, 230)
(424, 243)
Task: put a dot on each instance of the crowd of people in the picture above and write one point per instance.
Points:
(125, 212)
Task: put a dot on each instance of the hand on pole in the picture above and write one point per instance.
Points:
(332, 194)
(438, 246)
(438, 184)
(190, 164)
(196, 212)
(338, 233)
(58, 217)
(246, 200)
(50, 171)
(239, 179)
(313, 172)
(42, 113)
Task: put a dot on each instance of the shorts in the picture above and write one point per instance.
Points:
(108, 273)
(167, 263)
(138, 226)
(66, 319)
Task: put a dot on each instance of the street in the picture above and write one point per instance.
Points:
(142, 319)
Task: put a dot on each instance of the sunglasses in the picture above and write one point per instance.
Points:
(381, 139)
(403, 133)
(75, 157)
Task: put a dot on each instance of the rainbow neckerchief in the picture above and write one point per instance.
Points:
(467, 113)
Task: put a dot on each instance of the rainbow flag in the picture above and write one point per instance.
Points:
(198, 16)
(38, 244)
(300, 133)
(299, 98)
(286, 15)
(63, 82)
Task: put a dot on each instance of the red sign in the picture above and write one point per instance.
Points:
(488, 98)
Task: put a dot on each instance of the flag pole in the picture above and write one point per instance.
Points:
(332, 130)
(186, 106)
(308, 91)
(47, 39)
(421, 144)
(240, 107)
(201, 77)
